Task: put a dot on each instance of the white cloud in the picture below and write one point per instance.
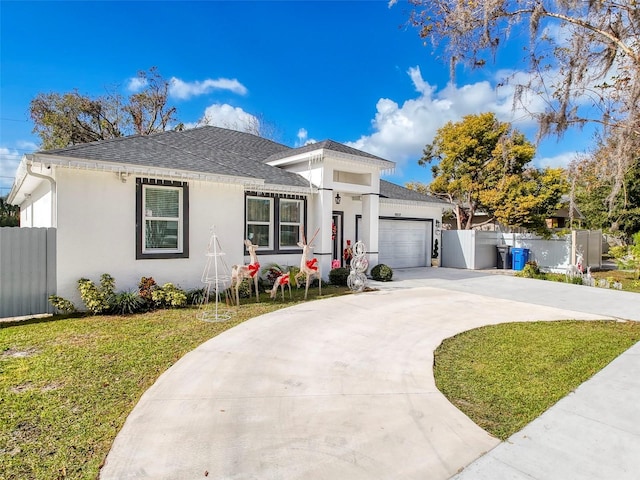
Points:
(400, 132)
(227, 116)
(136, 84)
(185, 90)
(9, 161)
(27, 146)
(560, 160)
(303, 138)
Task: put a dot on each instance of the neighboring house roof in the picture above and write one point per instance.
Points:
(563, 211)
(397, 192)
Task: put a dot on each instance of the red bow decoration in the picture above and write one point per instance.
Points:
(312, 264)
(253, 269)
(283, 279)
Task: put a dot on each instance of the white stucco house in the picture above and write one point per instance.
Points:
(145, 205)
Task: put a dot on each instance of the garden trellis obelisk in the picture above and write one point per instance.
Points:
(217, 279)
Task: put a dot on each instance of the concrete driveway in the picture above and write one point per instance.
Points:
(338, 389)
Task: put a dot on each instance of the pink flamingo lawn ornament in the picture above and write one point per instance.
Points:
(281, 281)
(240, 272)
(308, 268)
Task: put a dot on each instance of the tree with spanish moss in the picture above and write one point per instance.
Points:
(583, 59)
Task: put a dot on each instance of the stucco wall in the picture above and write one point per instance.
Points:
(409, 210)
(35, 211)
(96, 232)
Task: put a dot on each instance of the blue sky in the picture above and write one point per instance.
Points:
(347, 71)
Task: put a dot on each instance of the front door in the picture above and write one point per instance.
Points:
(336, 237)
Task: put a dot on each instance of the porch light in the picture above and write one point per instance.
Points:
(338, 199)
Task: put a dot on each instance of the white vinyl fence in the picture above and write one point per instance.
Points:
(476, 250)
(470, 249)
(27, 270)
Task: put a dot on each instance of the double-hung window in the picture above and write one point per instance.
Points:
(162, 219)
(291, 223)
(275, 223)
(260, 221)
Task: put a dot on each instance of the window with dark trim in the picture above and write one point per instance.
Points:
(275, 223)
(162, 219)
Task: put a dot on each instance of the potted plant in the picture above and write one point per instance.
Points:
(435, 261)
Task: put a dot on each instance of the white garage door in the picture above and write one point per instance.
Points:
(404, 243)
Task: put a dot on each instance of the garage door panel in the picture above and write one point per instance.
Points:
(404, 243)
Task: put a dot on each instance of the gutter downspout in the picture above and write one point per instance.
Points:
(52, 182)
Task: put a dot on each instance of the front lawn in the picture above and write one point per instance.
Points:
(68, 384)
(504, 376)
(626, 278)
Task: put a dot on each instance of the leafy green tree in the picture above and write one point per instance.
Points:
(9, 214)
(528, 199)
(419, 187)
(482, 164)
(628, 257)
(583, 59)
(61, 120)
(592, 180)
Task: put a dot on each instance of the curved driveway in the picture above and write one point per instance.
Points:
(335, 389)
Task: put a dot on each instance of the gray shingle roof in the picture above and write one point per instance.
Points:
(218, 151)
(209, 150)
(327, 145)
(397, 192)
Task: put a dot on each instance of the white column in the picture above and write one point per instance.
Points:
(323, 243)
(370, 226)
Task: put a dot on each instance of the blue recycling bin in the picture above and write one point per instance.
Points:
(520, 257)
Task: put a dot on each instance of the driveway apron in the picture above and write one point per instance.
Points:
(335, 389)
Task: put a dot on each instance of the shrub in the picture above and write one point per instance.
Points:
(196, 296)
(272, 272)
(575, 279)
(628, 258)
(382, 273)
(338, 276)
(62, 304)
(127, 303)
(145, 287)
(531, 270)
(246, 287)
(169, 296)
(293, 271)
(97, 299)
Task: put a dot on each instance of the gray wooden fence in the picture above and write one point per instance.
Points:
(27, 270)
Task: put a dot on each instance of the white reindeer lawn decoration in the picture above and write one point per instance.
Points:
(240, 272)
(308, 268)
(281, 281)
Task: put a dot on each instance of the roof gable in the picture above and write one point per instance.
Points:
(324, 145)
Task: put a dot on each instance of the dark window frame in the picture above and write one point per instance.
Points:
(140, 183)
(276, 250)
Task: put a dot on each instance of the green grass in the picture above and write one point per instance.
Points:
(67, 384)
(506, 375)
(626, 278)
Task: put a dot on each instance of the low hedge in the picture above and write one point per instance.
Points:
(338, 276)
